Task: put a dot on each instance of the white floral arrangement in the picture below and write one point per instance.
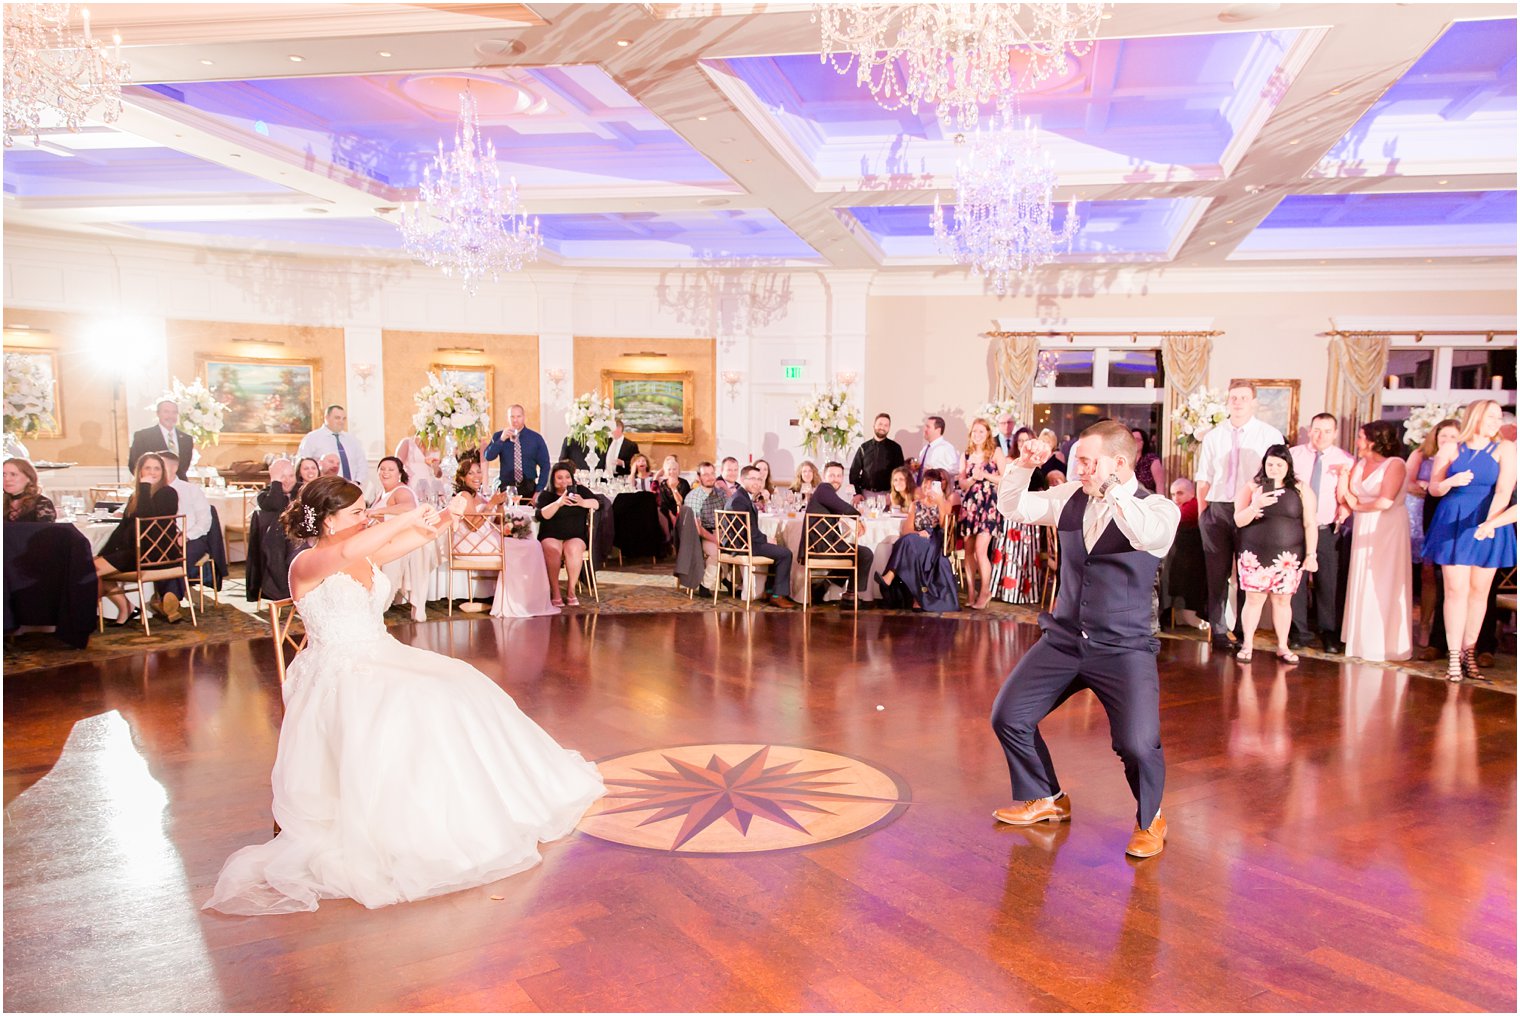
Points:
(28, 396)
(829, 422)
(591, 419)
(992, 410)
(1202, 412)
(447, 408)
(1422, 419)
(200, 415)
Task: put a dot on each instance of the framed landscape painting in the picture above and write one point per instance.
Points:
(1277, 404)
(267, 400)
(654, 407)
(475, 378)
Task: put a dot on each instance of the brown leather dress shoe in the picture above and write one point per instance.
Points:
(784, 602)
(1022, 813)
(1148, 842)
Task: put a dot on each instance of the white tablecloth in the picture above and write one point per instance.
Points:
(881, 533)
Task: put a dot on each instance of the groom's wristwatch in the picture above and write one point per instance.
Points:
(1108, 485)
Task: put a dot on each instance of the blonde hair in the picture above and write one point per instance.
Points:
(1472, 418)
(989, 447)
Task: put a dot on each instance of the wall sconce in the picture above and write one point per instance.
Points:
(556, 376)
(732, 379)
(846, 377)
(364, 371)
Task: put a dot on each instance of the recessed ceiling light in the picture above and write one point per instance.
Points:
(1335, 91)
(1213, 243)
(1430, 261)
(1443, 182)
(1324, 262)
(1294, 141)
(296, 58)
(701, 118)
(384, 52)
(206, 63)
(625, 42)
(1229, 222)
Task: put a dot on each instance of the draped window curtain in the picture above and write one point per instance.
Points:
(1018, 358)
(1185, 358)
(1354, 388)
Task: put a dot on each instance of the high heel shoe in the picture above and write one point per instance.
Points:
(1454, 669)
(1469, 663)
(130, 619)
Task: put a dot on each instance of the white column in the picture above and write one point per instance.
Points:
(365, 401)
(556, 352)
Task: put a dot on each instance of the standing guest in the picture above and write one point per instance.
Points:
(621, 449)
(670, 494)
(981, 523)
(1113, 536)
(938, 453)
(1229, 456)
(575, 453)
(1016, 568)
(420, 477)
(728, 476)
(24, 500)
(332, 465)
(1278, 538)
(564, 510)
(638, 468)
(1417, 491)
(1475, 479)
(781, 558)
(1150, 470)
(197, 512)
(1379, 606)
(1183, 567)
(163, 437)
(523, 453)
(333, 438)
(767, 487)
(807, 479)
(152, 497)
(918, 569)
(903, 493)
(1320, 464)
(1007, 435)
(878, 455)
(825, 500)
(308, 469)
(1055, 469)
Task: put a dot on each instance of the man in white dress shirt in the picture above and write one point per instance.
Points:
(197, 512)
(620, 451)
(938, 453)
(1319, 464)
(1113, 535)
(333, 438)
(1229, 457)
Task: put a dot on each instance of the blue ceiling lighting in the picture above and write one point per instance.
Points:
(719, 237)
(1453, 111)
(1132, 110)
(1435, 224)
(361, 234)
(134, 172)
(1111, 231)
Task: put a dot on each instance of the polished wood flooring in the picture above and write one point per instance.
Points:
(1342, 837)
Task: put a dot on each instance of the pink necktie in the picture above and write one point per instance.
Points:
(1229, 479)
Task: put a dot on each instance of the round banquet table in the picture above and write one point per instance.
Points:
(881, 533)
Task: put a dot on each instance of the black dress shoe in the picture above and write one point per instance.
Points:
(1296, 644)
(1333, 645)
(704, 591)
(1221, 642)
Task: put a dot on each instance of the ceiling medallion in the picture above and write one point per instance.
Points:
(956, 57)
(463, 223)
(1004, 206)
(54, 76)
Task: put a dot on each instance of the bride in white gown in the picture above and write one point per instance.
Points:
(401, 774)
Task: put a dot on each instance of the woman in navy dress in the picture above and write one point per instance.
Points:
(1474, 479)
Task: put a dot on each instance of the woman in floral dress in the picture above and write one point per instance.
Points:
(1016, 557)
(981, 522)
(1276, 515)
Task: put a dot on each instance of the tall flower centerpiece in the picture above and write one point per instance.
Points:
(200, 414)
(1422, 418)
(449, 416)
(829, 422)
(590, 418)
(1202, 412)
(28, 397)
(999, 407)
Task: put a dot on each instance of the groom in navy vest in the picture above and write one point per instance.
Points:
(1113, 535)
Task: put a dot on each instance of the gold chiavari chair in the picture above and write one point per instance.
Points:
(831, 547)
(159, 553)
(477, 543)
(282, 624)
(736, 549)
(588, 563)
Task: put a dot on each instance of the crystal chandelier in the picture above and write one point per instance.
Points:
(958, 56)
(462, 222)
(1004, 207)
(54, 76)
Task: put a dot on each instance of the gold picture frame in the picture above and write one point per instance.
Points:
(657, 407)
(1277, 404)
(480, 377)
(269, 401)
(48, 357)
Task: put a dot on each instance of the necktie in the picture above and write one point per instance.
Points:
(1315, 475)
(1097, 521)
(169, 443)
(517, 459)
(1234, 469)
(342, 457)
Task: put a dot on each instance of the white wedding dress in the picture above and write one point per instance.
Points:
(401, 774)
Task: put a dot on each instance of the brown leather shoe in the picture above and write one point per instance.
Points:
(784, 602)
(1148, 842)
(171, 609)
(1022, 813)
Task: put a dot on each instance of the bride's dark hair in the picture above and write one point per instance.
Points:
(316, 500)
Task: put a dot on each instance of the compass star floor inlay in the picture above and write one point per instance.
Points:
(740, 798)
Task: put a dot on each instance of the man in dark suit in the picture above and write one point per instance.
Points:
(1004, 437)
(573, 452)
(524, 455)
(825, 500)
(161, 437)
(620, 451)
(781, 569)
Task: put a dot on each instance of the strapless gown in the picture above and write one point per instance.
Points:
(400, 774)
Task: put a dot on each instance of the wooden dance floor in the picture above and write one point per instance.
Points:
(1341, 837)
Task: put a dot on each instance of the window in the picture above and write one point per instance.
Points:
(1414, 368)
(1073, 368)
(1133, 368)
(1082, 382)
(1450, 370)
(1478, 368)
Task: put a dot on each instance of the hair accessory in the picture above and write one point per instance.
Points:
(310, 514)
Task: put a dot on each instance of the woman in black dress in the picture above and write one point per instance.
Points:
(24, 500)
(564, 518)
(152, 498)
(1276, 514)
(670, 493)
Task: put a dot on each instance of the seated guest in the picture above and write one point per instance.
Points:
(807, 479)
(396, 496)
(1275, 514)
(152, 498)
(467, 480)
(638, 468)
(332, 465)
(743, 500)
(728, 476)
(1149, 469)
(825, 500)
(411, 576)
(1186, 578)
(763, 501)
(564, 510)
(704, 500)
(197, 512)
(918, 572)
(24, 500)
(521, 589)
(903, 491)
(307, 469)
(670, 494)
(282, 486)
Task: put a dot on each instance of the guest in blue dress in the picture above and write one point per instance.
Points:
(918, 571)
(1474, 479)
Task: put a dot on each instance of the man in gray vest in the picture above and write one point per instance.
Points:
(1113, 535)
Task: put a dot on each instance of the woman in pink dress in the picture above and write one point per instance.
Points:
(1379, 601)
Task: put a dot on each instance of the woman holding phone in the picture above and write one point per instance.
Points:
(564, 516)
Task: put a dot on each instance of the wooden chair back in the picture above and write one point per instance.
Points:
(159, 555)
(286, 634)
(831, 547)
(477, 543)
(736, 550)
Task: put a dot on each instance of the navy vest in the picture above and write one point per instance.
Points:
(1105, 593)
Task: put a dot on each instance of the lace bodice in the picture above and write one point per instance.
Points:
(340, 611)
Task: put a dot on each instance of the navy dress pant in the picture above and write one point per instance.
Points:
(1127, 685)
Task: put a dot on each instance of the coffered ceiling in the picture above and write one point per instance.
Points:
(679, 134)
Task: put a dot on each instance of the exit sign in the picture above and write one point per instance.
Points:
(792, 372)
